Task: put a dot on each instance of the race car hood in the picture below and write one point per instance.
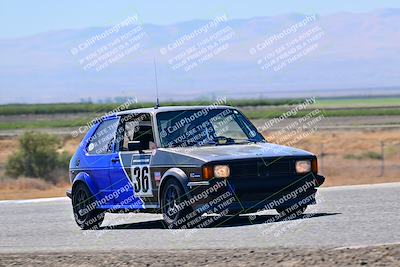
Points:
(238, 151)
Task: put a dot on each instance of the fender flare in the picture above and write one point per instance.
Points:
(179, 175)
(87, 180)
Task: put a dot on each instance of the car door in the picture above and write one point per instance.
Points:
(130, 170)
(98, 154)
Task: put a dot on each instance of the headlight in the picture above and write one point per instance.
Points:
(303, 166)
(221, 171)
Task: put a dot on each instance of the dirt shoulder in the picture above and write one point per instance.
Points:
(31, 193)
(388, 255)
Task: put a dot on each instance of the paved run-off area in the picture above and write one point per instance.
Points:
(360, 217)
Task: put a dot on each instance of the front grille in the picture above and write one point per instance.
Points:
(260, 167)
(260, 179)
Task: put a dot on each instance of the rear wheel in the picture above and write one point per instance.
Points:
(175, 213)
(86, 215)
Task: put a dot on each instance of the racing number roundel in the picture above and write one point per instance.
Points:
(141, 180)
(140, 173)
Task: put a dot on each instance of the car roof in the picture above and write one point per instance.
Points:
(169, 108)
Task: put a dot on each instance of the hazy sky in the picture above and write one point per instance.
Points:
(19, 17)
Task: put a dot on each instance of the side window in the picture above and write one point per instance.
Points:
(136, 127)
(102, 140)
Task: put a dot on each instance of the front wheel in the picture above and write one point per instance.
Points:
(86, 215)
(176, 212)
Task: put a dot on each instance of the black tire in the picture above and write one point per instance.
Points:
(86, 218)
(285, 212)
(175, 216)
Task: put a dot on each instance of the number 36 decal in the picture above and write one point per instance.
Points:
(141, 180)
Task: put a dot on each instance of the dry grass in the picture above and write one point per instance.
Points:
(26, 188)
(7, 147)
(24, 184)
(346, 157)
(70, 145)
(332, 147)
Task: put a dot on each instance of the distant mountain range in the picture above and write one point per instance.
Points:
(331, 55)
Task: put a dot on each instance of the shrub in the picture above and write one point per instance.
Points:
(37, 156)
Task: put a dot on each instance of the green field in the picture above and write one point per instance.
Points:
(358, 102)
(253, 108)
(328, 113)
(263, 114)
(63, 108)
(41, 124)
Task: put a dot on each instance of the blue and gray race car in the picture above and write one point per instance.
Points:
(186, 162)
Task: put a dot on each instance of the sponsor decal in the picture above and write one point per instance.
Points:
(194, 175)
(157, 176)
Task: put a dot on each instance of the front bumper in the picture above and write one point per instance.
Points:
(320, 179)
(251, 196)
(69, 193)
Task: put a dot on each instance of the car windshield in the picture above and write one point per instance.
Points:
(200, 127)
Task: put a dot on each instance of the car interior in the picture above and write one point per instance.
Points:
(138, 131)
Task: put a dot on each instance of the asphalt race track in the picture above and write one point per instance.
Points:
(349, 216)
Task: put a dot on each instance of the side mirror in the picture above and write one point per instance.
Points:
(135, 146)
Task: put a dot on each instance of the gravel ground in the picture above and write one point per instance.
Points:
(388, 255)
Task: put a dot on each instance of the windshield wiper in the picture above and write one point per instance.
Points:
(232, 141)
(248, 140)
